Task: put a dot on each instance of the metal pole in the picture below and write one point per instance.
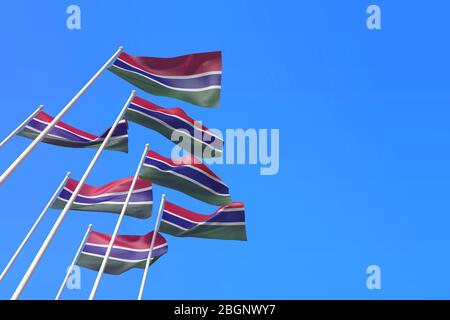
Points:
(33, 228)
(21, 126)
(75, 259)
(152, 244)
(116, 229)
(66, 209)
(52, 124)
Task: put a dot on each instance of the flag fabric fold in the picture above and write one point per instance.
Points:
(227, 223)
(67, 136)
(196, 138)
(110, 197)
(195, 78)
(129, 251)
(187, 175)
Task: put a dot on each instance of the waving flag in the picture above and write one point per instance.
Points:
(128, 251)
(67, 136)
(227, 223)
(195, 78)
(197, 140)
(186, 175)
(110, 198)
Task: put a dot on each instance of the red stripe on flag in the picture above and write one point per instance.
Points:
(42, 116)
(186, 65)
(233, 205)
(196, 217)
(127, 241)
(122, 185)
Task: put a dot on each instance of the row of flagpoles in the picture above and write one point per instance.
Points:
(66, 209)
(5, 175)
(226, 223)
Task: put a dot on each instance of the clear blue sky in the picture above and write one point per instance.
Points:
(363, 117)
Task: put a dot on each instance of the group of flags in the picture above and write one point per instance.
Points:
(196, 79)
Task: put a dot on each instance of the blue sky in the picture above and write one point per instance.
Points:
(363, 119)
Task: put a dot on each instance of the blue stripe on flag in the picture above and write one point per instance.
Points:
(127, 254)
(191, 173)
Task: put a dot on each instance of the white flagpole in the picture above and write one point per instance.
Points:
(66, 209)
(152, 244)
(21, 126)
(33, 228)
(52, 124)
(75, 259)
(116, 229)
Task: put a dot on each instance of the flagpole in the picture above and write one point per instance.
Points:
(152, 244)
(75, 259)
(35, 225)
(66, 209)
(119, 222)
(21, 126)
(52, 124)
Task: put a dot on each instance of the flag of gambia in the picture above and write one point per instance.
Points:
(195, 78)
(128, 252)
(110, 197)
(186, 175)
(195, 138)
(227, 223)
(67, 136)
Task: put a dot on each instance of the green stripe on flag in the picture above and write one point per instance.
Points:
(236, 232)
(114, 267)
